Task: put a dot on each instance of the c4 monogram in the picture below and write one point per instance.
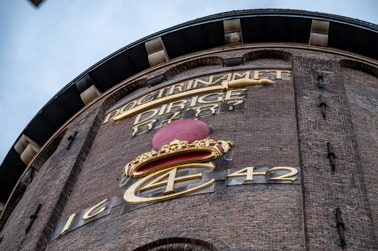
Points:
(167, 178)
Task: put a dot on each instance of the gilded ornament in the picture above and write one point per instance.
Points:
(214, 150)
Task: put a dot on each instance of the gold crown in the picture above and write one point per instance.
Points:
(177, 153)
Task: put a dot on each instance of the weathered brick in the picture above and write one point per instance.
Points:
(281, 125)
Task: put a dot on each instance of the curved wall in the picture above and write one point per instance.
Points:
(271, 184)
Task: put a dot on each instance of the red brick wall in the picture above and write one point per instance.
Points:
(281, 125)
(324, 190)
(362, 93)
(249, 216)
(51, 188)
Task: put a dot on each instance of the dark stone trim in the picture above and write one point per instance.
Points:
(262, 54)
(198, 62)
(355, 65)
(177, 242)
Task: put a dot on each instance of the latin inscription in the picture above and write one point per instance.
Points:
(192, 99)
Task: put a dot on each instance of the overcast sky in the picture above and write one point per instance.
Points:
(43, 49)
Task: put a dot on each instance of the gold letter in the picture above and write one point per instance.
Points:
(161, 91)
(194, 101)
(202, 101)
(189, 86)
(171, 175)
(225, 77)
(258, 75)
(131, 198)
(141, 100)
(279, 76)
(230, 94)
(245, 75)
(175, 87)
(87, 215)
(162, 110)
(203, 82)
(212, 107)
(132, 103)
(149, 123)
(138, 121)
(111, 115)
(174, 117)
(179, 103)
(247, 172)
(68, 224)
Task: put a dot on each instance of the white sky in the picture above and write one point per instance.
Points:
(43, 49)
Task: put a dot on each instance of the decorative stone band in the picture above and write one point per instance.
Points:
(177, 153)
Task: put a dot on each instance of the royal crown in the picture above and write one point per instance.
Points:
(177, 153)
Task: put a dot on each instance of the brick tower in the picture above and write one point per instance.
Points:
(245, 130)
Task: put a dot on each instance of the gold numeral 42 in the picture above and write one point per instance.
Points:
(248, 172)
